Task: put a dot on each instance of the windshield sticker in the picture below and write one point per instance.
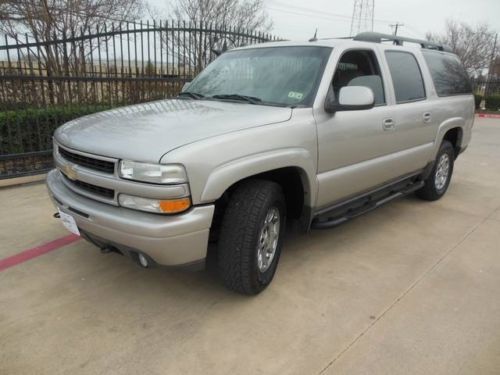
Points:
(295, 95)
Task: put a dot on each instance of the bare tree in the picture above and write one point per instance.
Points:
(241, 14)
(233, 19)
(41, 18)
(474, 45)
(43, 21)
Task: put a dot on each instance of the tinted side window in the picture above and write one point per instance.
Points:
(448, 74)
(359, 68)
(406, 76)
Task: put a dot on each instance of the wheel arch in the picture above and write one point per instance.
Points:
(455, 136)
(292, 164)
(293, 170)
(451, 130)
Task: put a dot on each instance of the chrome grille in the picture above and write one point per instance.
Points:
(90, 188)
(88, 162)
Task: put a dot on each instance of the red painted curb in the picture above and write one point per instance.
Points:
(488, 115)
(34, 252)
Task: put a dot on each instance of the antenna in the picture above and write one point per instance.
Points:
(314, 38)
(362, 16)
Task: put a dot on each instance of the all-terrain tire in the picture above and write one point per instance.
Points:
(241, 231)
(437, 183)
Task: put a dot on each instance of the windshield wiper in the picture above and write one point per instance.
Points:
(190, 94)
(245, 98)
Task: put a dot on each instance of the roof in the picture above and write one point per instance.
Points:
(362, 40)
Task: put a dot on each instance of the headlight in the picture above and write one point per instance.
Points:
(161, 206)
(155, 173)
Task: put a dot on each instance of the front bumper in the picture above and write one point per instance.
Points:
(168, 240)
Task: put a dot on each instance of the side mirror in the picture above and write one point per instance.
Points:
(351, 98)
(186, 85)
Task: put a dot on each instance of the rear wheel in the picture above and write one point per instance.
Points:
(251, 236)
(438, 181)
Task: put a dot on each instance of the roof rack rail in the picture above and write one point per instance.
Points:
(398, 40)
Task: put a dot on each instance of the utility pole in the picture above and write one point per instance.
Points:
(492, 65)
(395, 27)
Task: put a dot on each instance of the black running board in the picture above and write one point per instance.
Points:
(343, 212)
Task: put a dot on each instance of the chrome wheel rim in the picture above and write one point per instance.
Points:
(268, 239)
(442, 172)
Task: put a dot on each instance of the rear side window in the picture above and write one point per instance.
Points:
(448, 73)
(406, 76)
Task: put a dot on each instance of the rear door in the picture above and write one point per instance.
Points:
(413, 111)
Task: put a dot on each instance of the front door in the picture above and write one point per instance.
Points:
(362, 149)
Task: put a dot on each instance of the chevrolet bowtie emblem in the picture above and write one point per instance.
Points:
(70, 172)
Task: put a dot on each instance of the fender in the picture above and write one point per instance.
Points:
(454, 122)
(227, 174)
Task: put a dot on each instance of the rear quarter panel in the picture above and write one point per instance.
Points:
(448, 111)
(452, 112)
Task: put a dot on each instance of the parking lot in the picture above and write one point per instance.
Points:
(412, 287)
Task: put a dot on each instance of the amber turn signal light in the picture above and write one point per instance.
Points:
(174, 206)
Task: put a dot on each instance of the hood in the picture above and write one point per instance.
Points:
(145, 132)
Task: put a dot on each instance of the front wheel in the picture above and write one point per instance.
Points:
(251, 236)
(437, 182)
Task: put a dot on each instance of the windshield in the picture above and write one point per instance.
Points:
(287, 76)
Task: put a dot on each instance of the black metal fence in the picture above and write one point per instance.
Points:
(44, 83)
(486, 86)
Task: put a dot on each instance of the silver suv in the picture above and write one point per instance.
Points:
(308, 133)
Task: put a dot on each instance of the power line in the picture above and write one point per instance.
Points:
(395, 27)
(414, 31)
(302, 11)
(281, 7)
(326, 17)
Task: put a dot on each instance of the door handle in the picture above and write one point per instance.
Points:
(388, 124)
(427, 116)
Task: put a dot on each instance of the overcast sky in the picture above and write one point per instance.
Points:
(297, 19)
